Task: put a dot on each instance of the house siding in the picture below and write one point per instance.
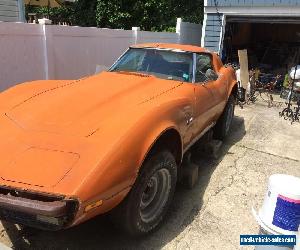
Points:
(213, 31)
(10, 11)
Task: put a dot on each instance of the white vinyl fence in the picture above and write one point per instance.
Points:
(189, 32)
(30, 52)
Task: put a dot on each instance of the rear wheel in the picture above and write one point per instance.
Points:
(223, 125)
(148, 201)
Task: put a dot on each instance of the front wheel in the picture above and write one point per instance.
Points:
(147, 203)
(224, 123)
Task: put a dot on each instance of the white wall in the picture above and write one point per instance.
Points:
(30, 52)
(190, 33)
(21, 53)
(74, 52)
(163, 37)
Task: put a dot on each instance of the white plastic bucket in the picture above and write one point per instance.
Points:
(281, 208)
(280, 213)
(297, 247)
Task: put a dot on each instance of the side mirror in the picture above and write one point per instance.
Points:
(211, 75)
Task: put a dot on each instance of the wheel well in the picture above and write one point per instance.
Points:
(171, 140)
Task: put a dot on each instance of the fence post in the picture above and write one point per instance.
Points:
(178, 25)
(135, 33)
(45, 52)
(178, 29)
(48, 52)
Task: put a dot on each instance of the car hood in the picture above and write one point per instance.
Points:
(81, 107)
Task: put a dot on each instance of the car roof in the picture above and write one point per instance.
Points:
(188, 48)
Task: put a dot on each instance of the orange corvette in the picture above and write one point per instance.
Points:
(71, 150)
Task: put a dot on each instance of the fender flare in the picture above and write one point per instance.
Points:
(152, 140)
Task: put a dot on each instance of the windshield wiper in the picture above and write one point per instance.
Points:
(133, 73)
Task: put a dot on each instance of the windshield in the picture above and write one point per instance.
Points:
(165, 64)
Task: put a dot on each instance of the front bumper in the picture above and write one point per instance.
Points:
(36, 210)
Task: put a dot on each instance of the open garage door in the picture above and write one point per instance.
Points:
(272, 42)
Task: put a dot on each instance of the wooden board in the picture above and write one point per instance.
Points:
(243, 58)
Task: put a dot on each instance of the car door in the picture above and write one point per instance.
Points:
(216, 82)
(204, 98)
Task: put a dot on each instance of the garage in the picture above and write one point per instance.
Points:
(272, 43)
(267, 31)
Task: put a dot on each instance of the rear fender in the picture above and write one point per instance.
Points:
(232, 82)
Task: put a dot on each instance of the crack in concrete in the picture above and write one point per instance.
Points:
(264, 152)
(193, 212)
(234, 166)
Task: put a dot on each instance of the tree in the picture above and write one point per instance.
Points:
(149, 15)
(152, 15)
(61, 14)
(80, 13)
(85, 13)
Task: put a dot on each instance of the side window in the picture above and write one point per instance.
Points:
(204, 69)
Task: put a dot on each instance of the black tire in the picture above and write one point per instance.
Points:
(133, 215)
(223, 125)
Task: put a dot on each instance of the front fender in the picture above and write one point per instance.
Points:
(114, 175)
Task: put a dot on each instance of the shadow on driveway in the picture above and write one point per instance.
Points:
(99, 233)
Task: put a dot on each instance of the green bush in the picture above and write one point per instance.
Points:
(151, 15)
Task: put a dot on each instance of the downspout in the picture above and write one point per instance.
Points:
(203, 30)
(222, 34)
(204, 25)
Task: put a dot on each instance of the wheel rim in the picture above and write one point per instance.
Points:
(155, 195)
(229, 117)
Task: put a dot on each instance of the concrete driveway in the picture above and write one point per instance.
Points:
(215, 212)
